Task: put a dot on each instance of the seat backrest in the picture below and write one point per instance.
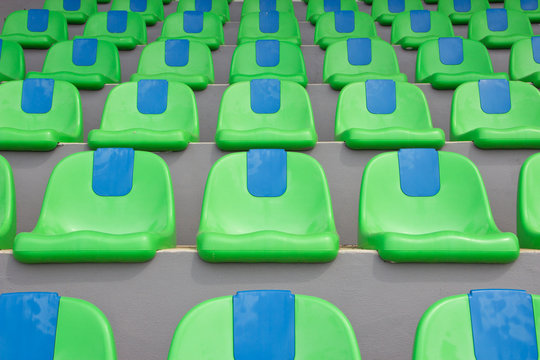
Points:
(412, 28)
(75, 11)
(151, 10)
(218, 7)
(116, 24)
(340, 25)
(384, 11)
(256, 6)
(460, 11)
(525, 60)
(203, 26)
(499, 23)
(529, 7)
(269, 25)
(12, 64)
(35, 28)
(315, 8)
(528, 203)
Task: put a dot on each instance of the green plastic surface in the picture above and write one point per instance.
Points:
(122, 125)
(322, 331)
(338, 72)
(326, 33)
(517, 128)
(77, 225)
(88, 7)
(82, 332)
(528, 204)
(12, 65)
(476, 65)
(211, 34)
(135, 33)
(59, 65)
(315, 8)
(455, 225)
(534, 15)
(8, 216)
(253, 6)
(288, 29)
(523, 67)
(290, 128)
(381, 13)
(402, 34)
(447, 8)
(103, 1)
(219, 7)
(198, 73)
(519, 27)
(16, 29)
(291, 64)
(154, 10)
(297, 226)
(408, 126)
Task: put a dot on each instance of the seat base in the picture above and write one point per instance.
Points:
(339, 81)
(81, 81)
(502, 42)
(386, 19)
(392, 138)
(414, 42)
(140, 139)
(266, 139)
(31, 42)
(28, 140)
(460, 19)
(533, 78)
(444, 81)
(122, 43)
(511, 138)
(196, 82)
(212, 42)
(298, 78)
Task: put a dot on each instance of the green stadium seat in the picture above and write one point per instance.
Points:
(384, 11)
(460, 11)
(269, 25)
(342, 25)
(411, 29)
(528, 209)
(12, 65)
(257, 6)
(267, 205)
(525, 61)
(499, 28)
(384, 114)
(108, 205)
(498, 114)
(484, 324)
(125, 29)
(316, 8)
(449, 62)
(43, 325)
(264, 325)
(8, 222)
(37, 114)
(151, 10)
(36, 28)
(86, 63)
(360, 59)
(205, 27)
(181, 60)
(75, 11)
(153, 115)
(268, 59)
(265, 113)
(218, 7)
(103, 1)
(420, 205)
(528, 7)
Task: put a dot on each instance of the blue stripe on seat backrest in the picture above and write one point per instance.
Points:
(176, 52)
(381, 96)
(84, 52)
(269, 22)
(267, 53)
(267, 5)
(193, 22)
(117, 22)
(451, 50)
(265, 96)
(497, 19)
(112, 173)
(152, 96)
(419, 172)
(529, 5)
(396, 6)
(37, 96)
(535, 43)
(138, 5)
(344, 21)
(462, 5)
(420, 21)
(332, 5)
(494, 96)
(359, 51)
(266, 172)
(72, 5)
(37, 20)
(203, 5)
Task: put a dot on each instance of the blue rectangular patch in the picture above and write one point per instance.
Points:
(203, 5)
(462, 5)
(503, 325)
(84, 52)
(381, 96)
(152, 96)
(267, 53)
(359, 51)
(344, 21)
(420, 21)
(193, 22)
(138, 5)
(177, 52)
(266, 172)
(117, 22)
(267, 5)
(37, 96)
(37, 20)
(72, 5)
(494, 96)
(265, 96)
(269, 22)
(396, 6)
(264, 325)
(332, 5)
(535, 43)
(28, 328)
(497, 19)
(529, 5)
(451, 50)
(419, 172)
(113, 171)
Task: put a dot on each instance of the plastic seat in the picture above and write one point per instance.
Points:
(12, 65)
(420, 205)
(342, 25)
(525, 61)
(205, 27)
(411, 29)
(267, 205)
(265, 324)
(75, 11)
(150, 10)
(496, 114)
(7, 202)
(484, 324)
(268, 59)
(153, 115)
(449, 62)
(528, 7)
(257, 6)
(125, 29)
(181, 60)
(218, 7)
(384, 11)
(528, 209)
(37, 114)
(43, 325)
(265, 113)
(316, 8)
(36, 28)
(384, 114)
(499, 28)
(360, 59)
(269, 25)
(460, 11)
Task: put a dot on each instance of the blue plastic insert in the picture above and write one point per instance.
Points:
(37, 20)
(503, 325)
(332, 5)
(37, 96)
(497, 19)
(267, 53)
(462, 5)
(535, 43)
(203, 5)
(176, 52)
(84, 52)
(419, 172)
(269, 22)
(359, 51)
(420, 21)
(267, 5)
(396, 6)
(266, 172)
(138, 5)
(381, 96)
(344, 21)
(263, 325)
(193, 22)
(494, 96)
(451, 50)
(117, 22)
(72, 5)
(152, 96)
(28, 328)
(265, 96)
(528, 5)
(113, 171)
